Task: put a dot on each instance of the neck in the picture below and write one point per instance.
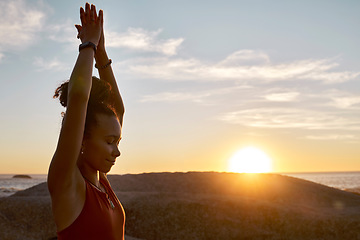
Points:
(90, 174)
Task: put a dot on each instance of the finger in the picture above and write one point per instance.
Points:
(95, 14)
(82, 16)
(92, 17)
(87, 11)
(101, 19)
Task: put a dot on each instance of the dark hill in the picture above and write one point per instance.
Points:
(205, 205)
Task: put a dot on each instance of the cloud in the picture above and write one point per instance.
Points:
(243, 65)
(195, 96)
(290, 118)
(134, 38)
(20, 22)
(347, 102)
(343, 100)
(245, 57)
(173, 97)
(50, 65)
(333, 137)
(143, 40)
(64, 32)
(282, 96)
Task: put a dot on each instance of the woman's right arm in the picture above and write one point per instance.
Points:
(63, 173)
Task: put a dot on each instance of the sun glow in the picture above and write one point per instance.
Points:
(250, 160)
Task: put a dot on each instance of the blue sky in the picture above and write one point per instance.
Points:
(200, 79)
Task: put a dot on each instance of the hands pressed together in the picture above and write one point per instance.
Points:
(91, 28)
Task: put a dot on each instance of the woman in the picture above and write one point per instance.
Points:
(83, 203)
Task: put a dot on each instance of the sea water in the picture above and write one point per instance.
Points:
(10, 185)
(340, 180)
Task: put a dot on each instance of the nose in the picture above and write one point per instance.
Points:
(116, 152)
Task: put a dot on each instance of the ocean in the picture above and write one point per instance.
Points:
(10, 185)
(340, 180)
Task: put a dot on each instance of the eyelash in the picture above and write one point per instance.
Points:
(113, 141)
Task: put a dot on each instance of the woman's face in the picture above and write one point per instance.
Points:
(100, 149)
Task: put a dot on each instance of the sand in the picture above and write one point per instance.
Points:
(204, 206)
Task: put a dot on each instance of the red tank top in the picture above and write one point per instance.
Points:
(102, 216)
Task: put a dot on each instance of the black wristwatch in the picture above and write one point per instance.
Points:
(86, 45)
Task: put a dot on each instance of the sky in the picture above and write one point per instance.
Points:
(200, 80)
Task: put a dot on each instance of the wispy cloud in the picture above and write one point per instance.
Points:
(144, 40)
(64, 32)
(174, 97)
(136, 39)
(194, 96)
(245, 57)
(347, 102)
(50, 65)
(282, 96)
(290, 118)
(343, 100)
(349, 137)
(277, 98)
(20, 22)
(243, 65)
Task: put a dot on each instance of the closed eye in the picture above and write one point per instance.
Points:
(113, 140)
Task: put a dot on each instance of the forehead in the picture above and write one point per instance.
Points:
(107, 125)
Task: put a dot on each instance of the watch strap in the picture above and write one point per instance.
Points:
(86, 45)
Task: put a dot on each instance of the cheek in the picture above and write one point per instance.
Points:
(97, 148)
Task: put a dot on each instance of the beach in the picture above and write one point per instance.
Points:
(204, 205)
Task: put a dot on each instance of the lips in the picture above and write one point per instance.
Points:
(112, 162)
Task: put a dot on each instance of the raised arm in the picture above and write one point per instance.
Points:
(103, 64)
(63, 172)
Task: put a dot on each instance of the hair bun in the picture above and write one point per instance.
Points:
(99, 95)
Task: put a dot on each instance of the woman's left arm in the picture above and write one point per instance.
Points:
(105, 72)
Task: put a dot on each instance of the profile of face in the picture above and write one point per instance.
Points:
(100, 149)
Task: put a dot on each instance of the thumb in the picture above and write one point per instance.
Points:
(78, 27)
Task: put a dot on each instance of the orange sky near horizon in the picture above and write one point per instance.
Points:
(209, 151)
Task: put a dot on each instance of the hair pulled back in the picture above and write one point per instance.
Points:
(99, 101)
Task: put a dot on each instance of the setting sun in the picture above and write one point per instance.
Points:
(250, 160)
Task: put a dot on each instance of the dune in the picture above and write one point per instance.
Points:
(204, 205)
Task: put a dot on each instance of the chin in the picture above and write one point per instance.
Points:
(105, 170)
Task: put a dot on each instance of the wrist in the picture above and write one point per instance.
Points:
(101, 53)
(103, 66)
(88, 45)
(101, 56)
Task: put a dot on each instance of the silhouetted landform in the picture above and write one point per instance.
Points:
(354, 190)
(22, 176)
(204, 205)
